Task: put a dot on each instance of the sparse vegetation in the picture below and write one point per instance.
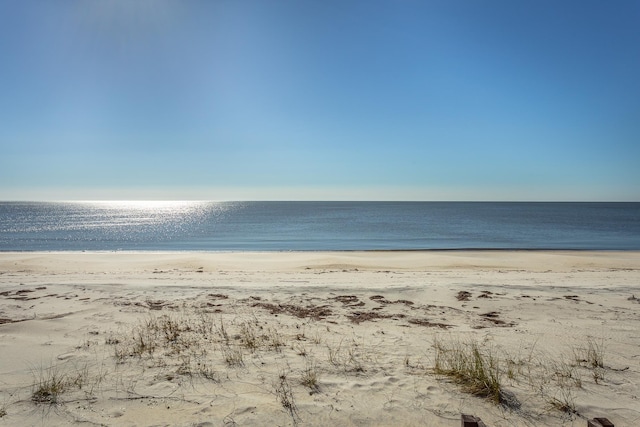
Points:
(248, 336)
(475, 368)
(479, 370)
(196, 348)
(233, 356)
(559, 372)
(49, 384)
(285, 397)
(309, 377)
(591, 355)
(563, 400)
(275, 341)
(347, 356)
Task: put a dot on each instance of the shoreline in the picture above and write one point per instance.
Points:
(312, 251)
(235, 336)
(67, 262)
(224, 251)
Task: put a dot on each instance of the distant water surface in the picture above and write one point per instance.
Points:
(314, 226)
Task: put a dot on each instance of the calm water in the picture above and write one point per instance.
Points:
(310, 226)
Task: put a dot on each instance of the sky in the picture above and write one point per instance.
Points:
(320, 100)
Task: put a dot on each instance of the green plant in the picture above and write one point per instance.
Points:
(595, 353)
(309, 377)
(591, 354)
(564, 401)
(49, 385)
(471, 366)
(565, 374)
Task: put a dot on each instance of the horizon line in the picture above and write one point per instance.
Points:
(305, 201)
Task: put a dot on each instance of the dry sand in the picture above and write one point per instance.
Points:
(317, 339)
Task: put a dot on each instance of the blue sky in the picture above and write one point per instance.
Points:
(324, 100)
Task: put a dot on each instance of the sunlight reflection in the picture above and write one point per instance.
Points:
(146, 204)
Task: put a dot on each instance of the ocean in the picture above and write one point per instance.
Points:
(316, 226)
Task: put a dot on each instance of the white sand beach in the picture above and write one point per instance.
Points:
(318, 338)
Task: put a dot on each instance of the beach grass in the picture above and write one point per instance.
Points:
(298, 357)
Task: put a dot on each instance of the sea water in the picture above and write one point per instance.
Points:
(314, 226)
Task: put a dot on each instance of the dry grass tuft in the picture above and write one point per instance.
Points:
(563, 401)
(49, 384)
(309, 376)
(233, 356)
(477, 369)
(188, 345)
(285, 397)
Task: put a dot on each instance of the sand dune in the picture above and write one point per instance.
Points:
(351, 338)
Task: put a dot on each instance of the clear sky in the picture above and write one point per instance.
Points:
(324, 100)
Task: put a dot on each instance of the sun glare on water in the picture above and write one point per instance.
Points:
(145, 204)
